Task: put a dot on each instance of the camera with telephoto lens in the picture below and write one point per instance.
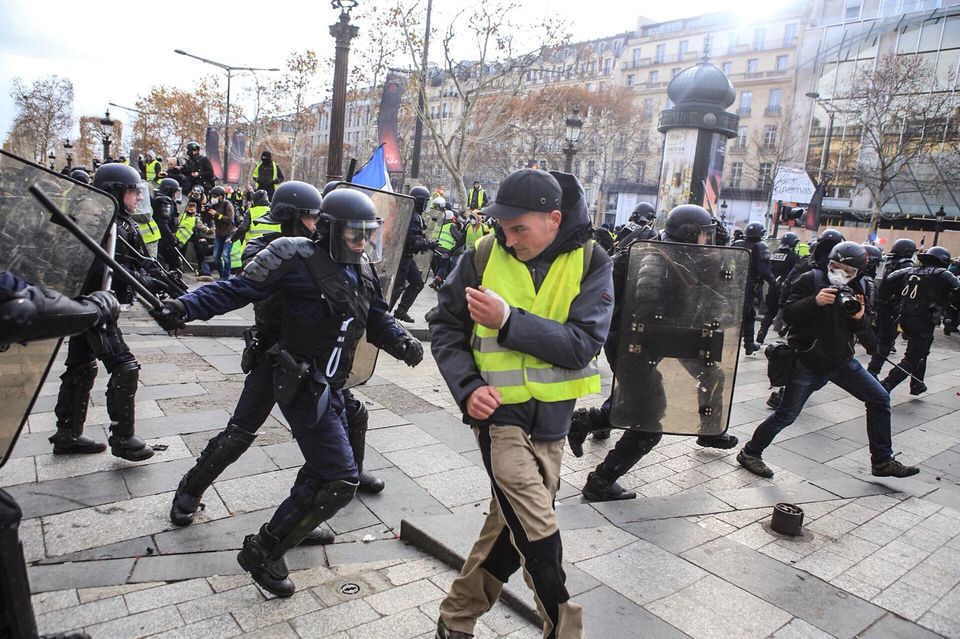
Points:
(848, 301)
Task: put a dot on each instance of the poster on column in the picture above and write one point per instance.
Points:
(237, 141)
(714, 180)
(212, 146)
(679, 152)
(387, 122)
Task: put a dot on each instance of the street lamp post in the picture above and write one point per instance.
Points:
(143, 113)
(226, 125)
(343, 32)
(940, 214)
(53, 158)
(68, 149)
(106, 133)
(831, 113)
(574, 125)
(418, 129)
(723, 214)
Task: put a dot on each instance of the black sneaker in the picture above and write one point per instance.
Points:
(754, 464)
(599, 489)
(723, 442)
(443, 633)
(893, 468)
(918, 388)
(751, 347)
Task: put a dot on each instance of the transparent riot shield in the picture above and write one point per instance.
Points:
(679, 335)
(395, 209)
(432, 220)
(38, 251)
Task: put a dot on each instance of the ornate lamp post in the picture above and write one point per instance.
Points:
(343, 32)
(53, 158)
(574, 126)
(106, 134)
(723, 214)
(940, 214)
(68, 148)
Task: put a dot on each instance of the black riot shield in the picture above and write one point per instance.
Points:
(432, 220)
(396, 210)
(679, 335)
(38, 251)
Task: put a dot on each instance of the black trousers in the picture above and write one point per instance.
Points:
(408, 285)
(919, 334)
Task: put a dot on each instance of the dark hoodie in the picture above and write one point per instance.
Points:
(570, 345)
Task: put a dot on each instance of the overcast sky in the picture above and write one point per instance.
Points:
(114, 52)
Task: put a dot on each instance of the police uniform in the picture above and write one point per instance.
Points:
(409, 281)
(782, 262)
(540, 361)
(887, 309)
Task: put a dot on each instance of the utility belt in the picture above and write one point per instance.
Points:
(256, 349)
(298, 376)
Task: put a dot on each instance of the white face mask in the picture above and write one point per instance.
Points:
(838, 277)
(214, 200)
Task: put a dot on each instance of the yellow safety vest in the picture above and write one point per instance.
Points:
(256, 171)
(186, 227)
(473, 236)
(236, 255)
(152, 170)
(521, 376)
(260, 228)
(445, 237)
(149, 231)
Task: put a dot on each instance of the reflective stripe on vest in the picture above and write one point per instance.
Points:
(474, 235)
(149, 231)
(445, 236)
(520, 376)
(260, 228)
(186, 227)
(152, 169)
(256, 171)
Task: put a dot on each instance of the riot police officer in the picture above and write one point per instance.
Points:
(782, 262)
(329, 297)
(164, 205)
(900, 257)
(83, 351)
(759, 273)
(928, 295)
(409, 281)
(688, 224)
(639, 226)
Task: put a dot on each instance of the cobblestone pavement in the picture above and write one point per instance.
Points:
(692, 557)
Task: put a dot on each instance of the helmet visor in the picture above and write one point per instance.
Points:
(356, 241)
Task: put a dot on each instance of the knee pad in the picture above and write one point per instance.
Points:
(316, 494)
(81, 376)
(357, 414)
(124, 374)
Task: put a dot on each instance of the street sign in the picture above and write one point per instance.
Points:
(792, 185)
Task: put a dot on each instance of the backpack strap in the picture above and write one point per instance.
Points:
(481, 254)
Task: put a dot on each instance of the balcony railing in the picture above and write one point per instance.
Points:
(773, 110)
(743, 112)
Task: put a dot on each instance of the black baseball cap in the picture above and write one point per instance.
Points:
(523, 191)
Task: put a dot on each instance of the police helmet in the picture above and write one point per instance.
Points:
(935, 256)
(825, 243)
(874, 255)
(291, 199)
(422, 196)
(904, 247)
(849, 254)
(168, 187)
(737, 234)
(116, 178)
(790, 239)
(329, 186)
(644, 213)
(354, 228)
(831, 235)
(755, 231)
(218, 191)
(685, 223)
(260, 198)
(80, 176)
(193, 148)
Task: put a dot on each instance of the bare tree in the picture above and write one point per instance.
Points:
(292, 95)
(170, 117)
(773, 145)
(901, 114)
(44, 115)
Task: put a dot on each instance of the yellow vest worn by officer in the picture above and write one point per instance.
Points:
(521, 376)
(149, 231)
(153, 170)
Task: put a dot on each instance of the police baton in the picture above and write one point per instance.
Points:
(887, 359)
(185, 260)
(61, 218)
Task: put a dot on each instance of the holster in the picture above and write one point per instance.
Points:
(252, 351)
(293, 372)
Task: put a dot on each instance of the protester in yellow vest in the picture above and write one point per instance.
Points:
(475, 229)
(151, 169)
(538, 305)
(267, 174)
(477, 197)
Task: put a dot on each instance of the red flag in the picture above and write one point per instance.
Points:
(812, 219)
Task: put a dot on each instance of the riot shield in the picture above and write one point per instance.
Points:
(395, 209)
(36, 250)
(679, 335)
(432, 220)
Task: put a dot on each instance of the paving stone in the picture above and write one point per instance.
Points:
(169, 391)
(82, 615)
(446, 429)
(891, 627)
(456, 487)
(276, 610)
(254, 492)
(203, 536)
(137, 547)
(849, 487)
(584, 543)
(326, 622)
(221, 627)
(157, 478)
(427, 460)
(403, 625)
(177, 567)
(941, 625)
(404, 597)
(642, 572)
(606, 613)
(398, 400)
(810, 599)
(719, 605)
(86, 574)
(166, 595)
(404, 498)
(137, 625)
(905, 600)
(383, 418)
(51, 466)
(673, 535)
(410, 571)
(354, 516)
(574, 516)
(387, 440)
(56, 600)
(693, 503)
(362, 575)
(220, 603)
(105, 592)
(100, 525)
(285, 455)
(800, 629)
(278, 631)
(47, 421)
(361, 552)
(228, 364)
(772, 495)
(183, 423)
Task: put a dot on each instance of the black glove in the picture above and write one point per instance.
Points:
(411, 351)
(108, 305)
(172, 316)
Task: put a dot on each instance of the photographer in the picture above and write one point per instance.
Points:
(823, 319)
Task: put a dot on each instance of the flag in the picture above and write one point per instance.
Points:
(812, 219)
(872, 238)
(374, 172)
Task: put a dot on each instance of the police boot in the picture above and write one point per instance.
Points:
(750, 347)
(357, 435)
(121, 395)
(221, 451)
(319, 536)
(71, 411)
(893, 378)
(402, 314)
(260, 558)
(761, 335)
(599, 488)
(723, 442)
